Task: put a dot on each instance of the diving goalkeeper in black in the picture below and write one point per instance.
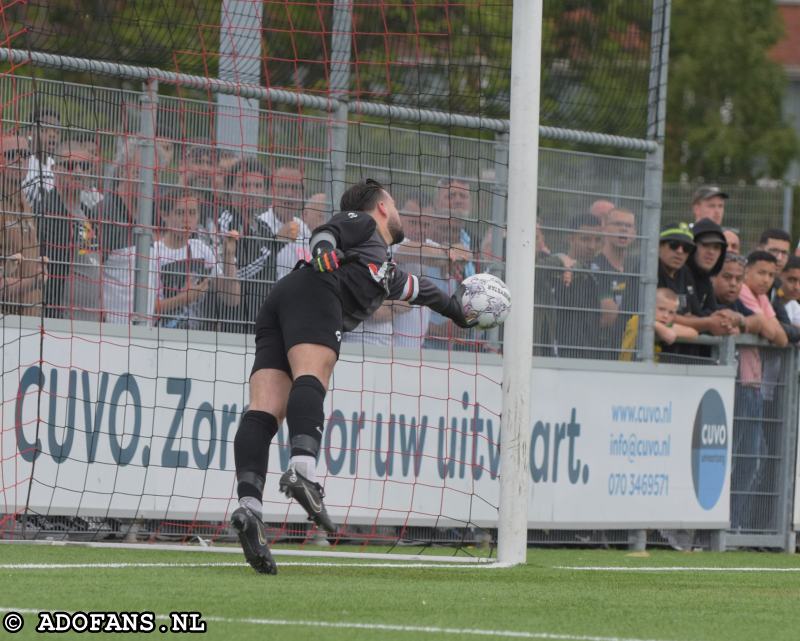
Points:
(298, 334)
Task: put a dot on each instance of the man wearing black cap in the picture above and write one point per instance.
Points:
(709, 202)
(704, 314)
(708, 258)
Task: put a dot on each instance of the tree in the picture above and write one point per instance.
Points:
(180, 35)
(724, 119)
(595, 65)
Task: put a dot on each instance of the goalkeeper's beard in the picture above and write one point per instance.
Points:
(395, 231)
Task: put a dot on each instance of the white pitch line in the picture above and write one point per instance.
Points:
(388, 627)
(322, 564)
(171, 547)
(416, 629)
(617, 568)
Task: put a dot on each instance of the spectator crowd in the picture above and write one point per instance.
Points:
(226, 226)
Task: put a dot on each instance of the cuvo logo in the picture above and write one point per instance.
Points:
(710, 449)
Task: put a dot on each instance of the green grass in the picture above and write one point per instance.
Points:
(537, 599)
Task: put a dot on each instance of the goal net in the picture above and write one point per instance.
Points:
(159, 178)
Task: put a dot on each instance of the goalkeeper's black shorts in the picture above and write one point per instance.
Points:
(303, 307)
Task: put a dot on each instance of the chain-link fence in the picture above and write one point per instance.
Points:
(764, 441)
(87, 166)
(451, 188)
(749, 209)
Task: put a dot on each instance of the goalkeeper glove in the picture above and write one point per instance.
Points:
(455, 310)
(328, 260)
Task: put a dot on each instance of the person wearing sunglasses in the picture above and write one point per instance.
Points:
(700, 311)
(68, 231)
(675, 245)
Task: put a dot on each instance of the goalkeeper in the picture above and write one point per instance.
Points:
(298, 334)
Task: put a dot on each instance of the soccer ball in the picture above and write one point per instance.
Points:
(486, 298)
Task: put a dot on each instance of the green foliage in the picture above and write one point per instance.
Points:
(180, 35)
(724, 119)
(595, 65)
(452, 57)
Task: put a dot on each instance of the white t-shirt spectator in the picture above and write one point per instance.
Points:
(119, 277)
(174, 268)
(793, 310)
(39, 176)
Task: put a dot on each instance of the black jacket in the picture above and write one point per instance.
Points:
(683, 285)
(370, 276)
(705, 302)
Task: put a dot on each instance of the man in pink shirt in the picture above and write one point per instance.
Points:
(759, 275)
(749, 442)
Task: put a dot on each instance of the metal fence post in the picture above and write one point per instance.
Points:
(499, 198)
(651, 223)
(788, 205)
(789, 449)
(239, 62)
(341, 36)
(143, 231)
(637, 540)
(653, 176)
(498, 230)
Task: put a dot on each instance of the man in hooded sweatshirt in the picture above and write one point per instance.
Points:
(703, 313)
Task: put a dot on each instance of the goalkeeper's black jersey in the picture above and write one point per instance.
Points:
(370, 276)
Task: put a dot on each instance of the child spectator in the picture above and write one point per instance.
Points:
(666, 331)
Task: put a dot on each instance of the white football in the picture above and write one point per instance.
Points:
(486, 298)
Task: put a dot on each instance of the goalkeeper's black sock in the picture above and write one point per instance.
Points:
(305, 417)
(251, 453)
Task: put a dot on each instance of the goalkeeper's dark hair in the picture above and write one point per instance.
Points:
(363, 196)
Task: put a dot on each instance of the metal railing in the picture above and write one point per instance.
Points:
(764, 446)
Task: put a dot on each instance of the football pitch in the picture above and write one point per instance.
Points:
(571, 595)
